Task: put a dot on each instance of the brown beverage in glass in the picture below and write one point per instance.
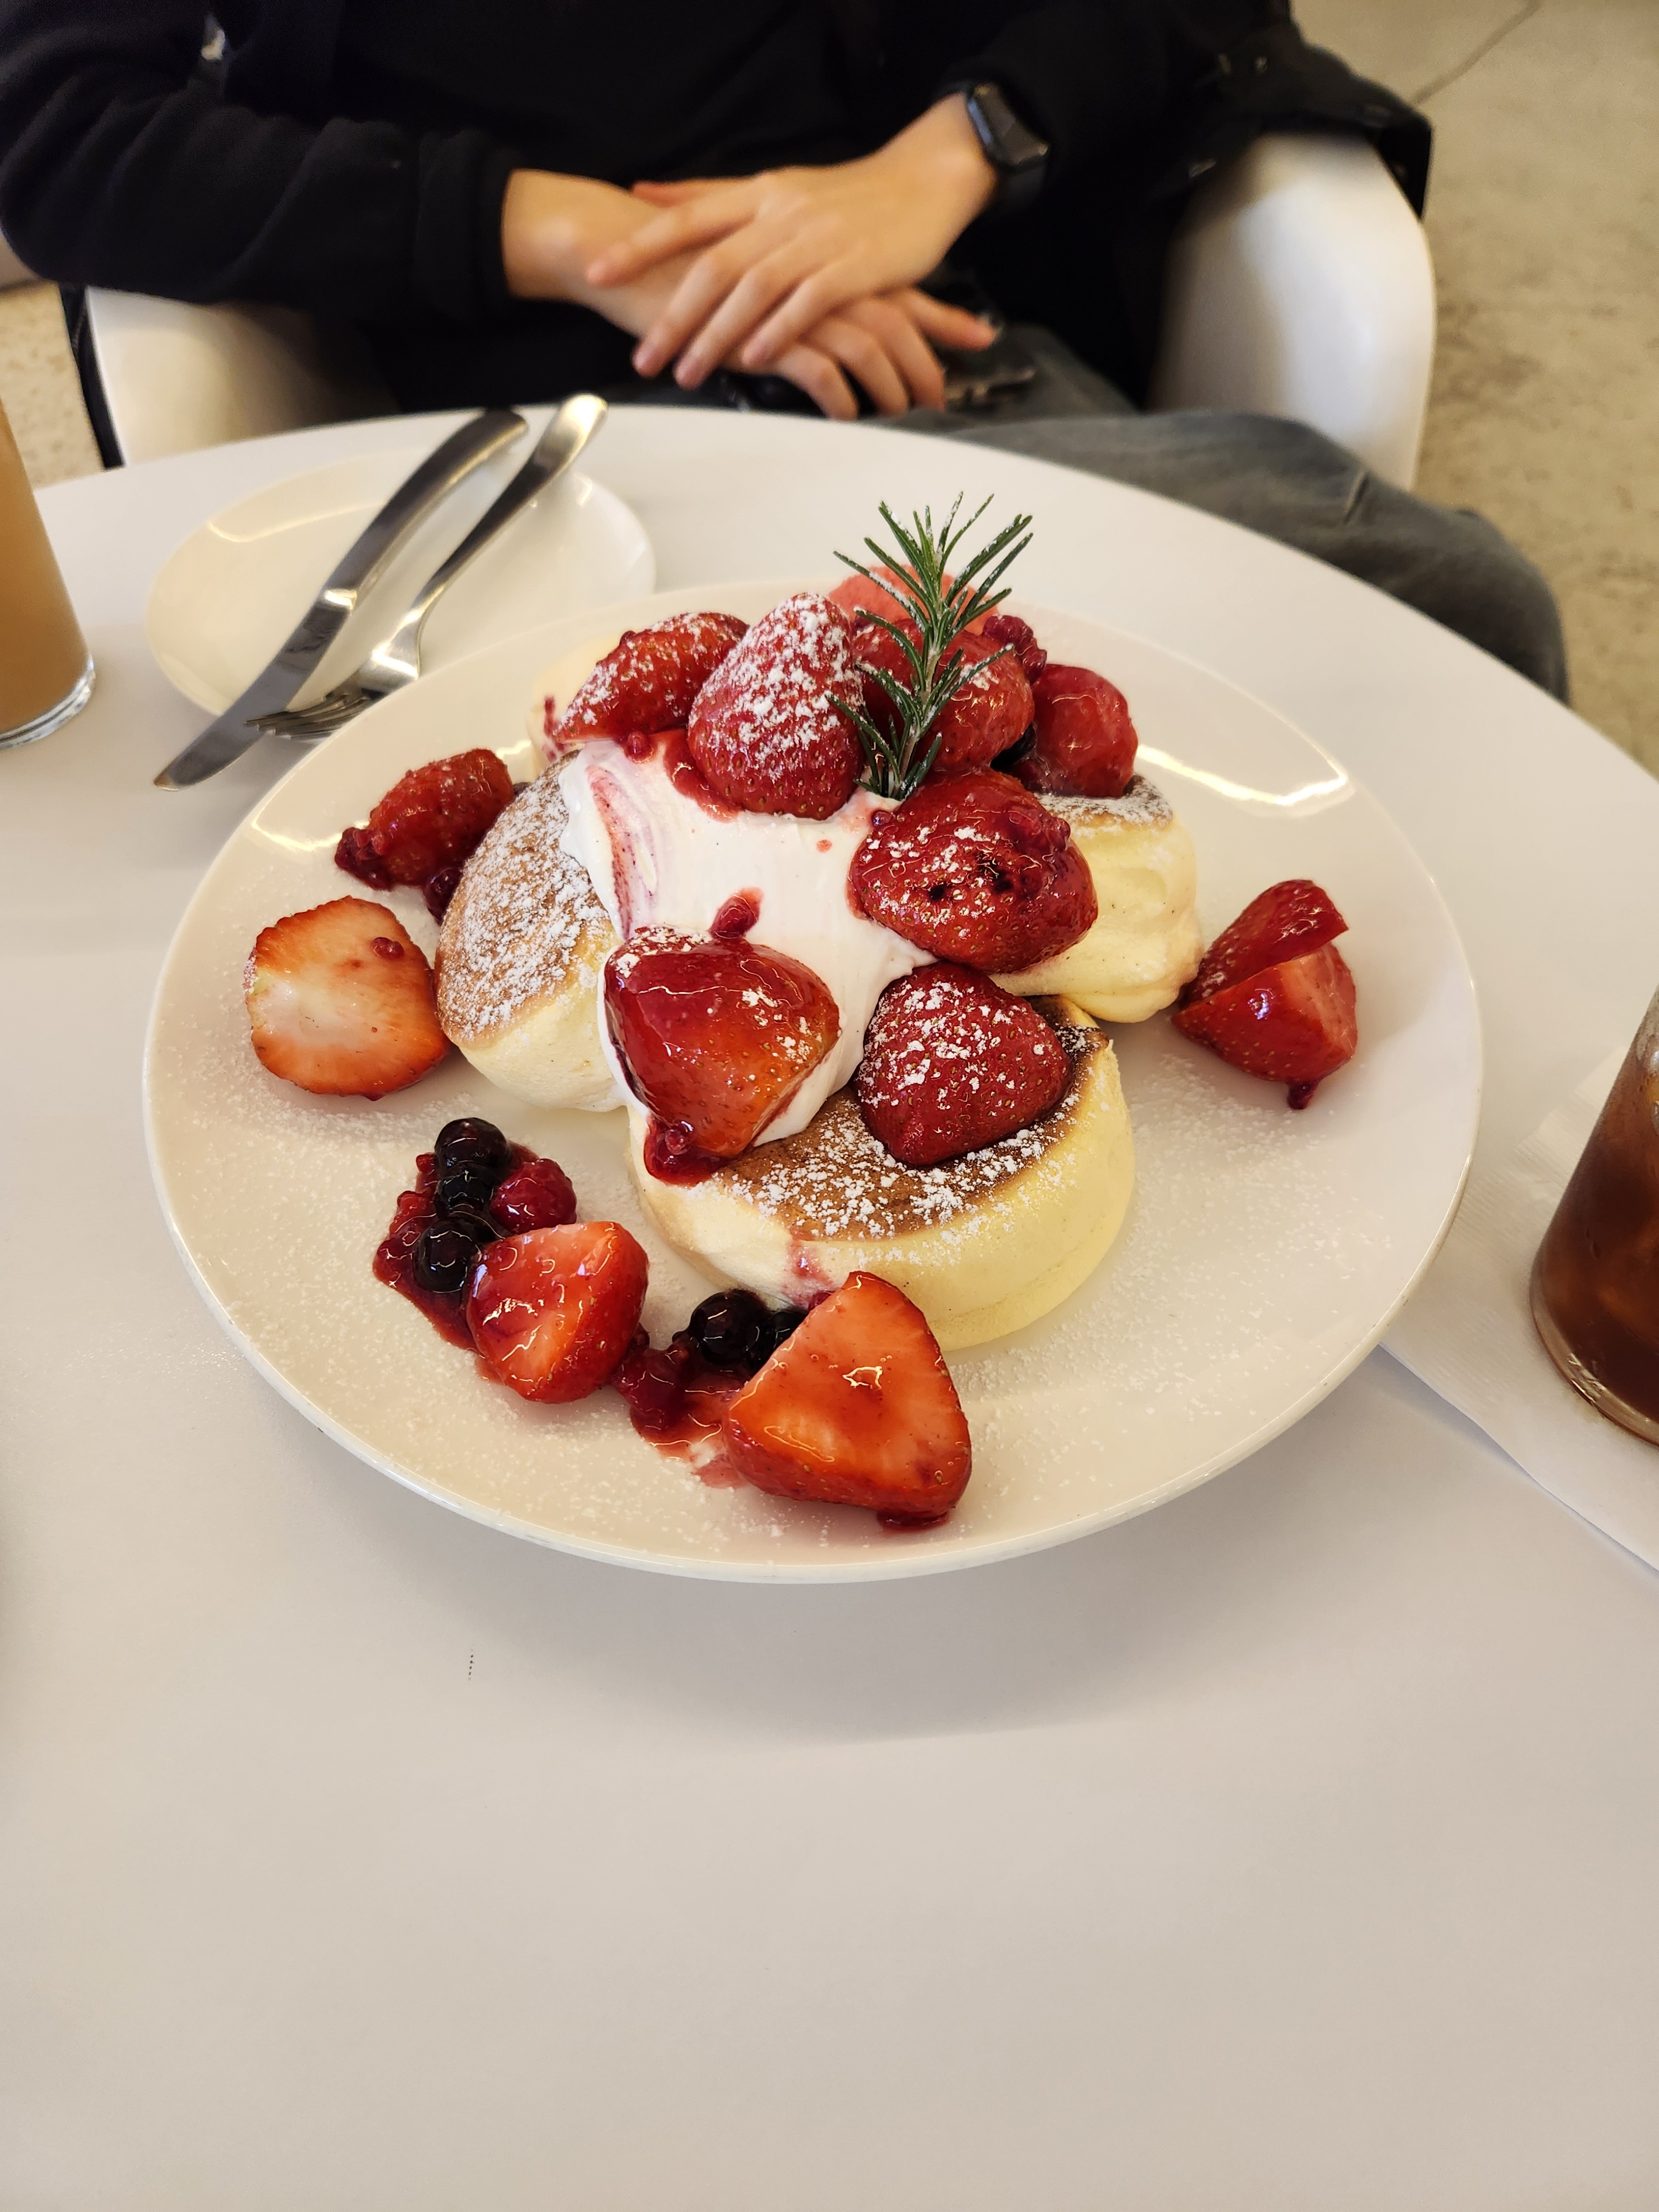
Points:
(46, 675)
(1595, 1281)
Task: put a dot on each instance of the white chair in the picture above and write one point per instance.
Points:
(1298, 283)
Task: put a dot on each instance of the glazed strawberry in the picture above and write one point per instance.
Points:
(716, 1035)
(991, 710)
(975, 869)
(536, 1195)
(1286, 919)
(1008, 629)
(431, 818)
(1085, 742)
(648, 680)
(340, 1001)
(856, 1408)
(952, 1063)
(1293, 1023)
(552, 1311)
(766, 731)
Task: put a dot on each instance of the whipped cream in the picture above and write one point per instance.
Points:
(658, 858)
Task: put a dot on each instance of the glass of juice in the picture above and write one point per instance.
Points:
(45, 671)
(1595, 1280)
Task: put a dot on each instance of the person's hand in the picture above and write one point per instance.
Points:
(552, 226)
(784, 250)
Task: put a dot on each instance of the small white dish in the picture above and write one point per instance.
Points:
(228, 596)
(1265, 1252)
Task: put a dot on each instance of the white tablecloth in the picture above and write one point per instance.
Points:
(1293, 1846)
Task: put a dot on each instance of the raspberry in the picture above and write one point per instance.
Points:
(431, 818)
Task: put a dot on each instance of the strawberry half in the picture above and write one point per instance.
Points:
(716, 1035)
(952, 1063)
(434, 818)
(975, 869)
(340, 1000)
(553, 1311)
(1085, 743)
(1293, 1023)
(1287, 918)
(857, 596)
(649, 678)
(856, 1408)
(990, 711)
(766, 730)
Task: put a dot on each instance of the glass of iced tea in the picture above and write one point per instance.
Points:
(1595, 1280)
(45, 671)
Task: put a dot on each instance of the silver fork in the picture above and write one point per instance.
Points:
(396, 661)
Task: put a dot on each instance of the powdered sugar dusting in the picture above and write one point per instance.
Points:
(778, 687)
(522, 912)
(835, 1180)
(1141, 803)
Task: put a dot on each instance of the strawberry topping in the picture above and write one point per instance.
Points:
(856, 1408)
(952, 1063)
(858, 595)
(766, 731)
(648, 680)
(1008, 629)
(990, 711)
(536, 1195)
(552, 1311)
(434, 818)
(1085, 742)
(340, 1000)
(1287, 918)
(1274, 997)
(716, 1035)
(975, 869)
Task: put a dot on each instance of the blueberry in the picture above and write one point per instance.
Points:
(442, 1260)
(466, 1188)
(783, 1323)
(732, 1329)
(471, 1142)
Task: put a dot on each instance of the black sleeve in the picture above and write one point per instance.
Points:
(119, 165)
(1100, 79)
(1164, 91)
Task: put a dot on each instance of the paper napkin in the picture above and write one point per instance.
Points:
(1468, 1334)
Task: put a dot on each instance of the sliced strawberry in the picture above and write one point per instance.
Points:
(856, 1408)
(434, 818)
(991, 710)
(340, 1000)
(648, 680)
(766, 731)
(1009, 630)
(536, 1195)
(1085, 741)
(1287, 918)
(1293, 1023)
(976, 870)
(552, 1311)
(716, 1034)
(952, 1063)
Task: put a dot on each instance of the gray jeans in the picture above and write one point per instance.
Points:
(1290, 483)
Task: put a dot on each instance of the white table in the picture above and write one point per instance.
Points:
(1293, 1846)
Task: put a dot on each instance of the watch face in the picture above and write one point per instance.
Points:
(1008, 143)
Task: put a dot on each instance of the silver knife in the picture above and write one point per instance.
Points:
(225, 740)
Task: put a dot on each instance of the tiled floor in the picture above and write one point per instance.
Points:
(1544, 221)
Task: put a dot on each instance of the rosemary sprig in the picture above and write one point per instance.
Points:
(895, 763)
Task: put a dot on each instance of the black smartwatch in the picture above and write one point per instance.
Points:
(1019, 157)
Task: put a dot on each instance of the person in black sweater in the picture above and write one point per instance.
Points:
(733, 203)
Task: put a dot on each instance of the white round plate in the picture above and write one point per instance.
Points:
(229, 595)
(1264, 1254)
